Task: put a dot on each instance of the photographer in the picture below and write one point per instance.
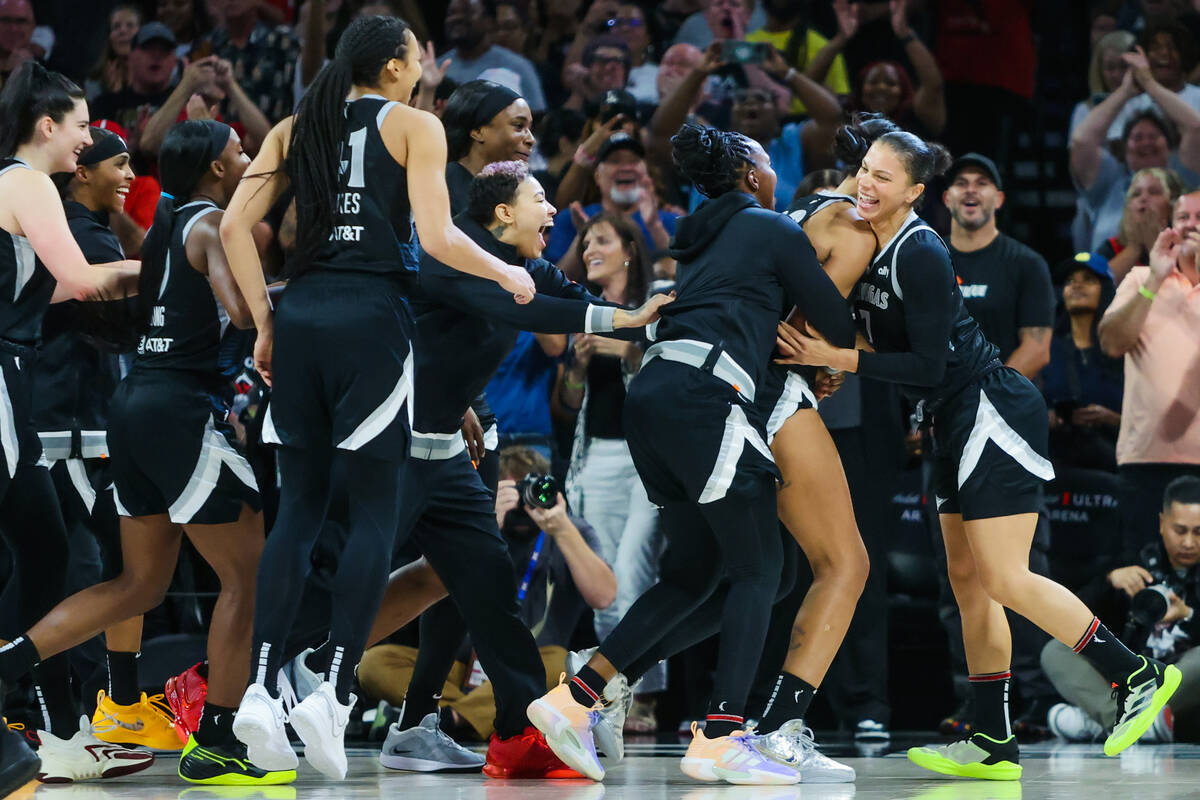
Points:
(559, 575)
(1156, 596)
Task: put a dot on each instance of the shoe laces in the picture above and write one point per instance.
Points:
(157, 704)
(15, 726)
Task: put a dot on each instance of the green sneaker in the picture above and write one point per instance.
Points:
(1139, 700)
(226, 766)
(979, 756)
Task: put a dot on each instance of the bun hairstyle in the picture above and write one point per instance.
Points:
(30, 93)
(314, 150)
(854, 139)
(713, 160)
(922, 160)
(496, 183)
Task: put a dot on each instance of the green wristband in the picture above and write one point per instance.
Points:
(1146, 293)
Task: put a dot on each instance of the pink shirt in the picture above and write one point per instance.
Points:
(1160, 417)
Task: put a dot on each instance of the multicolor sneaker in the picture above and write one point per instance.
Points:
(525, 755)
(734, 759)
(83, 756)
(978, 756)
(185, 695)
(226, 766)
(793, 745)
(1140, 698)
(426, 748)
(148, 722)
(567, 726)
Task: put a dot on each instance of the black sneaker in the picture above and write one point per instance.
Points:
(979, 756)
(19, 764)
(226, 765)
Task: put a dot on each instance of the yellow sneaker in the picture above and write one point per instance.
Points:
(147, 723)
(733, 759)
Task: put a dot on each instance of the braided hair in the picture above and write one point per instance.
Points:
(314, 156)
(713, 160)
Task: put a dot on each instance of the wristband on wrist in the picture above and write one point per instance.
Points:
(790, 75)
(583, 158)
(1146, 293)
(570, 384)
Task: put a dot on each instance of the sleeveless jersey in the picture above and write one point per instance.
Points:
(879, 307)
(26, 286)
(186, 320)
(372, 220)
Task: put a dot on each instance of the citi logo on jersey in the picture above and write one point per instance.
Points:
(974, 290)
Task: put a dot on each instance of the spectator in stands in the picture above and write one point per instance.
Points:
(512, 27)
(631, 24)
(1102, 22)
(520, 391)
(1170, 53)
(887, 88)
(789, 30)
(473, 55)
(151, 66)
(1005, 285)
(187, 19)
(602, 483)
(603, 67)
(1169, 565)
(721, 19)
(1148, 203)
(263, 58)
(433, 83)
(1147, 140)
(1082, 385)
(567, 578)
(1105, 71)
(1152, 323)
(111, 73)
(559, 135)
(677, 62)
(16, 35)
(625, 190)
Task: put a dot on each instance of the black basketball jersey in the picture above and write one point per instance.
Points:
(372, 216)
(25, 283)
(186, 320)
(804, 207)
(918, 257)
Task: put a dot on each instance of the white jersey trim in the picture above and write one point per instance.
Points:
(795, 391)
(77, 470)
(215, 450)
(738, 431)
(990, 426)
(382, 416)
(8, 428)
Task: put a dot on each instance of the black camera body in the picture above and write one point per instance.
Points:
(539, 491)
(1145, 610)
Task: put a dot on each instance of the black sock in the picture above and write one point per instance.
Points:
(1106, 652)
(17, 658)
(587, 687)
(721, 721)
(56, 701)
(990, 693)
(789, 700)
(216, 726)
(123, 678)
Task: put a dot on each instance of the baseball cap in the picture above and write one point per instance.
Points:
(620, 141)
(1094, 262)
(978, 161)
(152, 32)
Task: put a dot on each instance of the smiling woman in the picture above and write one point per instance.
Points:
(485, 122)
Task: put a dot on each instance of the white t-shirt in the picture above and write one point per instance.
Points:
(643, 83)
(1190, 94)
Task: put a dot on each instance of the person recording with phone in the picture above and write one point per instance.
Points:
(559, 577)
(1154, 600)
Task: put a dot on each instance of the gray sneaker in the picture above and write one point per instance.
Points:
(793, 745)
(304, 680)
(618, 699)
(426, 748)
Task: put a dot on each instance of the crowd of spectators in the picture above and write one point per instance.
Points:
(1109, 334)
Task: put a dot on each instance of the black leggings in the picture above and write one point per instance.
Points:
(735, 538)
(373, 491)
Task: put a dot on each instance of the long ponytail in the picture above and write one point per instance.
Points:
(314, 150)
(33, 92)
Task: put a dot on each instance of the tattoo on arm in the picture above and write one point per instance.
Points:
(797, 639)
(1039, 335)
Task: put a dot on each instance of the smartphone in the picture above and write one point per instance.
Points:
(738, 52)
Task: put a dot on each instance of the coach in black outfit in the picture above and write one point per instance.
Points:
(1006, 287)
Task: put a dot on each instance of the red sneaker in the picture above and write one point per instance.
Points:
(185, 695)
(525, 755)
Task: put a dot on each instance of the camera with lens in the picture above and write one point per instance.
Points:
(539, 491)
(1145, 610)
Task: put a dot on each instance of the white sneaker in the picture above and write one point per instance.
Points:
(609, 732)
(259, 725)
(870, 730)
(83, 756)
(305, 680)
(1072, 723)
(320, 722)
(793, 745)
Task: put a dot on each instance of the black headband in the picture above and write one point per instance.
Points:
(218, 137)
(496, 100)
(102, 150)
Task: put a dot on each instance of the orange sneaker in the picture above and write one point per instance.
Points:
(525, 755)
(148, 723)
(733, 759)
(567, 726)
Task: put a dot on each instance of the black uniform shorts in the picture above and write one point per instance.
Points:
(20, 445)
(168, 455)
(342, 367)
(781, 394)
(990, 450)
(691, 436)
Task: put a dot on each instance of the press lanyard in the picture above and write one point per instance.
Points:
(533, 560)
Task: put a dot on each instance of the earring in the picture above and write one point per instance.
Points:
(627, 263)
